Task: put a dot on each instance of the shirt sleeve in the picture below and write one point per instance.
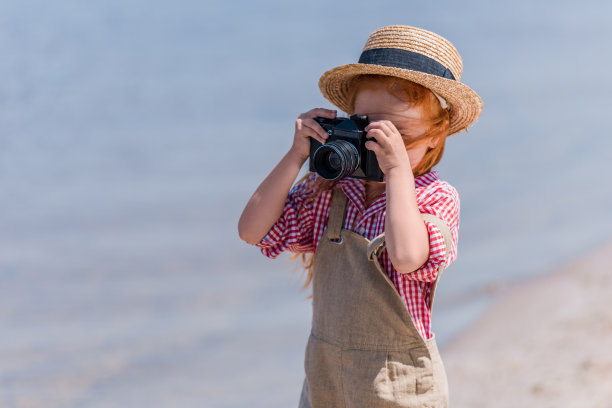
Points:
(293, 231)
(442, 200)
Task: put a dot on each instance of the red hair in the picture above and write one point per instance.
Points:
(435, 117)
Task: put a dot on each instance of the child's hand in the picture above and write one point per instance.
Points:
(390, 149)
(306, 127)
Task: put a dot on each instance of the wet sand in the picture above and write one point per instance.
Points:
(546, 343)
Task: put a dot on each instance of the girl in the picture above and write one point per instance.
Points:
(374, 251)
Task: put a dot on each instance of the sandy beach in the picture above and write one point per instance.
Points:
(546, 343)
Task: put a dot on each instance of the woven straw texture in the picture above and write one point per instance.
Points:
(465, 104)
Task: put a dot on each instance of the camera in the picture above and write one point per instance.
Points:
(344, 153)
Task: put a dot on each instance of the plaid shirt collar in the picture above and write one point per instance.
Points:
(355, 191)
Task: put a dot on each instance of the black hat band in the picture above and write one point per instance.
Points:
(398, 58)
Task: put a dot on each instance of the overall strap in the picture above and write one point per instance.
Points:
(336, 214)
(378, 244)
(446, 234)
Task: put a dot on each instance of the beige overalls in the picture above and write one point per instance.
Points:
(364, 350)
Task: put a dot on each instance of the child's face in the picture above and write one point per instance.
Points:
(378, 104)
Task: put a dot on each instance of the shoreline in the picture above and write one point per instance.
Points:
(546, 342)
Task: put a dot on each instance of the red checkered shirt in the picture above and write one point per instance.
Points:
(303, 222)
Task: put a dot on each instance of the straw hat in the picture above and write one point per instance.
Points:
(416, 55)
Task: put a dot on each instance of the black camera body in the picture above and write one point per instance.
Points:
(344, 153)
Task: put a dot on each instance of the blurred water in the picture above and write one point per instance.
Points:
(133, 132)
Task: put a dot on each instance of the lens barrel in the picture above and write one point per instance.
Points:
(336, 159)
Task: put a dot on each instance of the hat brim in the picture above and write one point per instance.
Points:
(465, 104)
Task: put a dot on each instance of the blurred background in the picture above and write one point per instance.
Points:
(133, 132)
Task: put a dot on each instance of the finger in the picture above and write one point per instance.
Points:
(304, 130)
(378, 135)
(373, 146)
(376, 130)
(322, 112)
(389, 127)
(315, 126)
(385, 126)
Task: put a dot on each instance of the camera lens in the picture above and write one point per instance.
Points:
(333, 161)
(336, 160)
